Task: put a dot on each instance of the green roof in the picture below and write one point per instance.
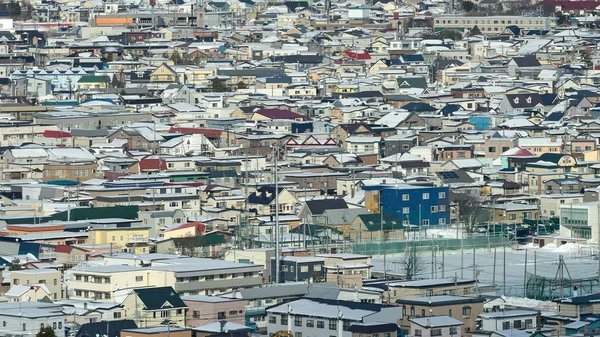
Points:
(160, 298)
(92, 79)
(373, 222)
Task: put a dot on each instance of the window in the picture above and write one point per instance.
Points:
(449, 312)
(528, 323)
(60, 325)
(505, 325)
(492, 149)
(310, 323)
(426, 222)
(436, 332)
(196, 314)
(304, 269)
(425, 196)
(405, 197)
(297, 321)
(512, 217)
(453, 330)
(466, 311)
(139, 278)
(405, 210)
(422, 312)
(221, 315)
(442, 208)
(298, 334)
(517, 324)
(418, 332)
(116, 315)
(441, 195)
(434, 209)
(332, 324)
(320, 325)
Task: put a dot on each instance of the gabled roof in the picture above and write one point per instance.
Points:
(373, 222)
(319, 206)
(100, 328)
(526, 61)
(159, 298)
(280, 114)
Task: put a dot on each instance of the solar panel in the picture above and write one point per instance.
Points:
(448, 175)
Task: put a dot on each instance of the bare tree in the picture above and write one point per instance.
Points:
(469, 204)
(411, 262)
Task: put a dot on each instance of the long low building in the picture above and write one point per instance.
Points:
(492, 24)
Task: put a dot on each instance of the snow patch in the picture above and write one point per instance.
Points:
(529, 303)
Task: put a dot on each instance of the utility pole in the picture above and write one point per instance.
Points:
(504, 273)
(525, 276)
(275, 154)
(535, 275)
(383, 238)
(494, 270)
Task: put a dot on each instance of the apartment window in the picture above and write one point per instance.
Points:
(441, 195)
(442, 221)
(196, 314)
(505, 325)
(466, 311)
(436, 332)
(232, 312)
(442, 208)
(418, 333)
(221, 315)
(425, 196)
(434, 209)
(405, 210)
(298, 334)
(272, 320)
(426, 222)
(453, 330)
(139, 278)
(512, 217)
(492, 149)
(320, 325)
(310, 323)
(332, 324)
(517, 324)
(284, 319)
(297, 321)
(405, 197)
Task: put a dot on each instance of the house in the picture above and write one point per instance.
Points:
(164, 73)
(204, 310)
(160, 331)
(263, 200)
(48, 281)
(299, 268)
(318, 317)
(430, 287)
(508, 319)
(436, 326)
(462, 308)
(26, 318)
(368, 228)
(274, 114)
(149, 307)
(518, 63)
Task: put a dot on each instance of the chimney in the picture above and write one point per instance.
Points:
(538, 321)
(428, 322)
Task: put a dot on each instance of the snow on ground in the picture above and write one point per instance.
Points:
(521, 302)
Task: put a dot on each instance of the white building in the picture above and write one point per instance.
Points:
(509, 319)
(580, 221)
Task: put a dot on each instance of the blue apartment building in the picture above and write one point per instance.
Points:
(414, 204)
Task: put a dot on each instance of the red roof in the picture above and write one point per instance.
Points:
(209, 133)
(364, 55)
(63, 249)
(199, 227)
(56, 134)
(152, 165)
(112, 176)
(573, 5)
(281, 114)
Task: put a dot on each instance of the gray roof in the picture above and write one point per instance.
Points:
(436, 321)
(275, 291)
(508, 313)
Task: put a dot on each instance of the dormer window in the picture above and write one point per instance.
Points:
(529, 99)
(516, 100)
